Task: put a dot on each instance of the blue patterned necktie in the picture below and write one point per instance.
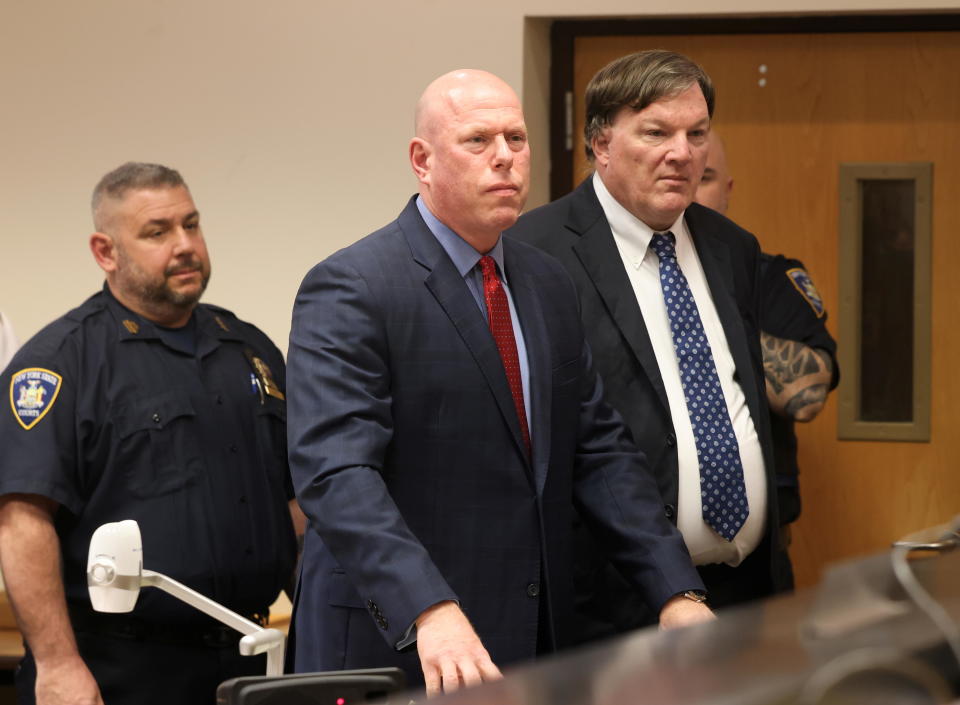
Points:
(722, 491)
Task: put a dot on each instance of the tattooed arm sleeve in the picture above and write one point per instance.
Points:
(797, 377)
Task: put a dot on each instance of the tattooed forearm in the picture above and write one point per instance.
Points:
(797, 377)
(786, 361)
(799, 406)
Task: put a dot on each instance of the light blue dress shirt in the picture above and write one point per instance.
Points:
(466, 260)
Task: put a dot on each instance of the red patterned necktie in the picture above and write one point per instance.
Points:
(501, 325)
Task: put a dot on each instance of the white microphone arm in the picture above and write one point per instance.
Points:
(115, 574)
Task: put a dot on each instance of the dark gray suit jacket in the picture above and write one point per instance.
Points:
(406, 456)
(574, 229)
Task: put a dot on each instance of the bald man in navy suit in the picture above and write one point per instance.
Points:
(444, 420)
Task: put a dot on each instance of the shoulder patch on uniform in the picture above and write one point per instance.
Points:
(802, 282)
(32, 393)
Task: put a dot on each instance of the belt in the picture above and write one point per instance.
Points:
(132, 628)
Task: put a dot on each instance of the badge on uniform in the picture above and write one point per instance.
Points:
(266, 379)
(262, 379)
(32, 393)
(802, 282)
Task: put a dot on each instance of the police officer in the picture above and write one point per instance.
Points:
(799, 354)
(143, 404)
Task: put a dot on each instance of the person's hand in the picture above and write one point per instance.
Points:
(67, 682)
(681, 612)
(450, 651)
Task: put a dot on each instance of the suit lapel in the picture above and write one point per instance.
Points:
(536, 340)
(451, 292)
(714, 257)
(600, 257)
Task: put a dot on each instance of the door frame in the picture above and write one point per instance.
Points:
(563, 33)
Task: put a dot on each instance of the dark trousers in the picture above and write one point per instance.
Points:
(137, 672)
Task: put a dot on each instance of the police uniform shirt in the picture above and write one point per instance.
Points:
(114, 418)
(793, 310)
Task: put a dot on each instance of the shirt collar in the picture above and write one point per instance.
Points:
(464, 257)
(633, 235)
(133, 326)
(130, 325)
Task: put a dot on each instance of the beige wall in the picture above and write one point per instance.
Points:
(289, 119)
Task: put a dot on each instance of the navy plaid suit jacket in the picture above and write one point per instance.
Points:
(406, 456)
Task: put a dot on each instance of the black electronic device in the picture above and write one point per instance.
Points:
(358, 687)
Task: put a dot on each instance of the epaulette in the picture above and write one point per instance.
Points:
(52, 336)
(95, 304)
(49, 339)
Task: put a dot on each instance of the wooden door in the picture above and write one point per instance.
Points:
(791, 108)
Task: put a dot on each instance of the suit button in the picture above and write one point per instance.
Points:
(671, 440)
(670, 511)
(533, 590)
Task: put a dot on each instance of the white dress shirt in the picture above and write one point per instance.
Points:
(632, 237)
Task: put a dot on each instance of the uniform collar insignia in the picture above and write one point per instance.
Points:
(132, 326)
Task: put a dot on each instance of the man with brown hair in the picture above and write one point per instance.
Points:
(669, 300)
(144, 404)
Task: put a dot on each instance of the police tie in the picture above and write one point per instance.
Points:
(722, 490)
(501, 325)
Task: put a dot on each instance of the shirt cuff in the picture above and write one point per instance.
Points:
(409, 639)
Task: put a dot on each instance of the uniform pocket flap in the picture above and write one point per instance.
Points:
(152, 413)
